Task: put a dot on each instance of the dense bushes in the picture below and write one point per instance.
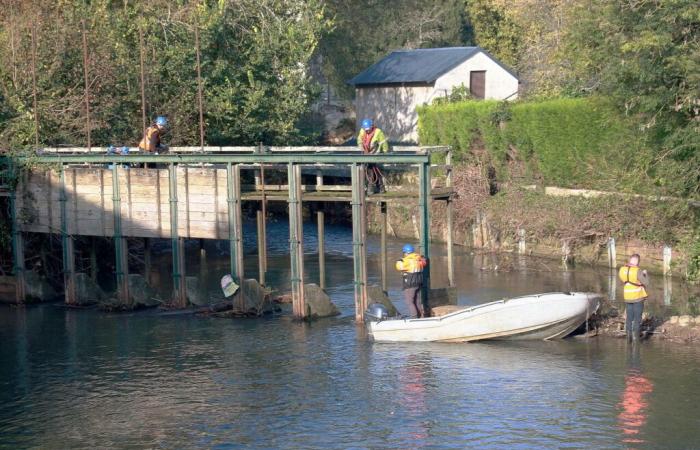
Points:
(567, 142)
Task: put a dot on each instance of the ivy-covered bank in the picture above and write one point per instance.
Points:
(507, 153)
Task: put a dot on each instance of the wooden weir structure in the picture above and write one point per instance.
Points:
(197, 193)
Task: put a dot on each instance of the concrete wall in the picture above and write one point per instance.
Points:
(393, 109)
(500, 84)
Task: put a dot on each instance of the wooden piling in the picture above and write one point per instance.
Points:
(359, 249)
(320, 216)
(382, 251)
(235, 227)
(296, 244)
(261, 250)
(67, 244)
(120, 245)
(177, 243)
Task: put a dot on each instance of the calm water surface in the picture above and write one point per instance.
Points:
(95, 380)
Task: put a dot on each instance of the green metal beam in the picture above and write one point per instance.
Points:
(424, 210)
(292, 158)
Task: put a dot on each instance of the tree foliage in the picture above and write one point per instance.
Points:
(254, 57)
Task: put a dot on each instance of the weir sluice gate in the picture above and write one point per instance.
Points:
(195, 193)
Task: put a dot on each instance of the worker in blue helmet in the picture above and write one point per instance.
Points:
(151, 142)
(373, 140)
(411, 266)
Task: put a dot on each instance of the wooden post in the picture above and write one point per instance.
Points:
(93, 258)
(612, 254)
(667, 260)
(261, 250)
(321, 231)
(67, 245)
(296, 245)
(382, 250)
(359, 249)
(450, 221)
(320, 216)
(235, 227)
(120, 246)
(147, 259)
(179, 280)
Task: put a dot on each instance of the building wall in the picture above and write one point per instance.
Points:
(500, 84)
(393, 109)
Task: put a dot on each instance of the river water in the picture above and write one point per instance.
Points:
(96, 380)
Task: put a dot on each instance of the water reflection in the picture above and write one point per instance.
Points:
(634, 401)
(414, 378)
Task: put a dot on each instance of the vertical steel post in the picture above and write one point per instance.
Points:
(424, 206)
(120, 246)
(296, 248)
(87, 83)
(235, 227)
(359, 251)
(264, 217)
(67, 244)
(179, 287)
(17, 245)
(261, 251)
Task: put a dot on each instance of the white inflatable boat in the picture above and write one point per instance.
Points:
(542, 316)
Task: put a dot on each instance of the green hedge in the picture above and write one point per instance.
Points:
(583, 143)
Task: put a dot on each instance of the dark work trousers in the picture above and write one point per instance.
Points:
(412, 298)
(633, 321)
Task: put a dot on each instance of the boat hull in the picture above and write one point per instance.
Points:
(543, 316)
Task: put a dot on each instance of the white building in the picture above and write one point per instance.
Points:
(390, 90)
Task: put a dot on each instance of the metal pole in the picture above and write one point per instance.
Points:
(17, 247)
(36, 108)
(143, 82)
(67, 245)
(382, 250)
(179, 292)
(424, 206)
(120, 246)
(264, 216)
(87, 88)
(358, 247)
(235, 227)
(199, 87)
(296, 250)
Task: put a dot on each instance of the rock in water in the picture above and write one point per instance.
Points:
(140, 292)
(37, 288)
(252, 299)
(318, 304)
(442, 297)
(87, 291)
(376, 295)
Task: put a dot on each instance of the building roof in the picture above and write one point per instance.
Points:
(423, 65)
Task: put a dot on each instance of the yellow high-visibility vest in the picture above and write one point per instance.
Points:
(411, 263)
(634, 289)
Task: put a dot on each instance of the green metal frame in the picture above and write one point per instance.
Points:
(424, 208)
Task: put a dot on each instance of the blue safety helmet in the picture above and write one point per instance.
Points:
(162, 121)
(367, 124)
(408, 248)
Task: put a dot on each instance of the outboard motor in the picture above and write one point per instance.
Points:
(376, 312)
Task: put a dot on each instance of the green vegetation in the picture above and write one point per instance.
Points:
(254, 56)
(584, 143)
